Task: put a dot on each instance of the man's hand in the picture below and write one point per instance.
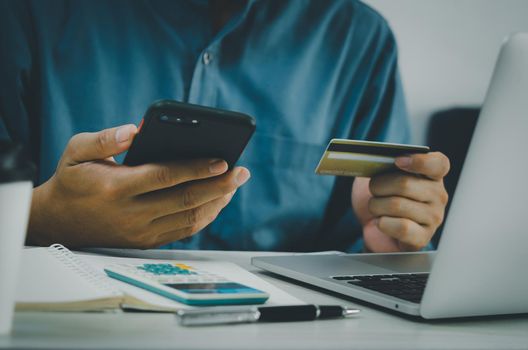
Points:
(93, 201)
(401, 211)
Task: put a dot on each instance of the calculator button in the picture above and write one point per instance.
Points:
(166, 273)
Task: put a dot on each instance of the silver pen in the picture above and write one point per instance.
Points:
(245, 314)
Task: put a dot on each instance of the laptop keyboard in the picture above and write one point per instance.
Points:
(406, 286)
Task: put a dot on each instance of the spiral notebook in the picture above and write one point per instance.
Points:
(55, 279)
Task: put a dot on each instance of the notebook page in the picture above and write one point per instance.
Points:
(49, 276)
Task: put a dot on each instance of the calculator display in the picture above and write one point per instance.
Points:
(208, 288)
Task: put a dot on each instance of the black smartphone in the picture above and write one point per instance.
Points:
(172, 130)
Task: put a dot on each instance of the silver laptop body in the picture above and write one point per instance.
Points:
(481, 266)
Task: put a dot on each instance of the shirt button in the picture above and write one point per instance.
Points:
(207, 57)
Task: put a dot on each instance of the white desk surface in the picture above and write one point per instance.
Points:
(373, 329)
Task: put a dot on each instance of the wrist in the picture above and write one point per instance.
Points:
(39, 232)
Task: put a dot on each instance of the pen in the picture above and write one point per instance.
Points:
(289, 313)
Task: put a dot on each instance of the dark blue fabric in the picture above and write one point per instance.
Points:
(308, 71)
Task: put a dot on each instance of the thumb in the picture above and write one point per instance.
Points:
(88, 146)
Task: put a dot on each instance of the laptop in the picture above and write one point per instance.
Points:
(481, 265)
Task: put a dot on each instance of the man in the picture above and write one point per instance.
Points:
(307, 70)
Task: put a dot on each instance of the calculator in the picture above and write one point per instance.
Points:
(186, 284)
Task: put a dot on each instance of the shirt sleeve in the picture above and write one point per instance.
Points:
(16, 75)
(380, 115)
(383, 114)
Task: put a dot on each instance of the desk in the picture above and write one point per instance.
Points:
(373, 329)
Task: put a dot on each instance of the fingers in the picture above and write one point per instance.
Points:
(410, 234)
(360, 199)
(194, 219)
(434, 165)
(152, 177)
(409, 206)
(377, 241)
(100, 145)
(138, 230)
(184, 210)
(408, 186)
(400, 207)
(192, 194)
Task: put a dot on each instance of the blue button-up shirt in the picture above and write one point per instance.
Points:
(308, 71)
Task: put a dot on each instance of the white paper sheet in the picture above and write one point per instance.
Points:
(231, 271)
(45, 279)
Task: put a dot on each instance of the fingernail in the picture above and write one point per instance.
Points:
(217, 166)
(242, 177)
(403, 162)
(122, 134)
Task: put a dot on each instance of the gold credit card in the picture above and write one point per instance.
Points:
(362, 158)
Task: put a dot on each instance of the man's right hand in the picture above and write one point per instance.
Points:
(93, 201)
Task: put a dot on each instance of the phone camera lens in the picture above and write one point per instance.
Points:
(179, 120)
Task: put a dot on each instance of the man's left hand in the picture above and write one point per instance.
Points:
(400, 211)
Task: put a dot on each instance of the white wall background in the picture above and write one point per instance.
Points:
(448, 49)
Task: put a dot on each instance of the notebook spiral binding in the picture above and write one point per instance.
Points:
(66, 257)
